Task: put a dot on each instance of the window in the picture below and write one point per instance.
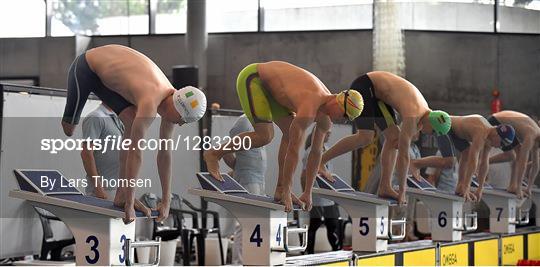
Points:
(521, 16)
(22, 18)
(286, 15)
(99, 17)
(526, 4)
(232, 15)
(171, 16)
(447, 15)
(27, 18)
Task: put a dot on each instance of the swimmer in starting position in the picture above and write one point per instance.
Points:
(136, 89)
(526, 145)
(382, 93)
(292, 98)
(473, 137)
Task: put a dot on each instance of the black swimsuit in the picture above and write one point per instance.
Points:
(81, 82)
(375, 111)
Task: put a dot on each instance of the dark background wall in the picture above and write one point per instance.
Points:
(454, 70)
(335, 57)
(458, 71)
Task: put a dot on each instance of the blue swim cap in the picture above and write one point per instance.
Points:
(506, 133)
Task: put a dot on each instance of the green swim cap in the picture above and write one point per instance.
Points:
(440, 122)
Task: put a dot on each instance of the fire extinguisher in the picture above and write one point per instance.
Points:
(496, 104)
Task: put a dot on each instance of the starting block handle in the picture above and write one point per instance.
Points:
(140, 244)
(473, 219)
(402, 223)
(302, 231)
(522, 217)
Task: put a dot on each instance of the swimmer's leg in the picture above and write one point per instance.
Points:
(263, 135)
(388, 162)
(283, 123)
(78, 90)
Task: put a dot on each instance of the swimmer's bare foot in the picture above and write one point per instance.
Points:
(326, 174)
(277, 193)
(129, 213)
(284, 197)
(402, 199)
(129, 210)
(478, 194)
(68, 128)
(212, 164)
(515, 190)
(163, 209)
(462, 192)
(474, 197)
(388, 193)
(305, 198)
(527, 192)
(287, 202)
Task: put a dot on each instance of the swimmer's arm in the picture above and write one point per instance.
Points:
(164, 158)
(314, 157)
(297, 132)
(303, 178)
(433, 178)
(89, 164)
(230, 160)
(503, 157)
(434, 162)
(472, 161)
(483, 167)
(522, 158)
(146, 113)
(535, 167)
(344, 145)
(462, 159)
(404, 143)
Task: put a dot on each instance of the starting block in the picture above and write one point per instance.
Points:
(448, 221)
(101, 237)
(265, 238)
(535, 197)
(371, 225)
(504, 209)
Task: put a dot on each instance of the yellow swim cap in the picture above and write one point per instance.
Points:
(351, 102)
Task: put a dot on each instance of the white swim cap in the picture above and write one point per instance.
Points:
(190, 102)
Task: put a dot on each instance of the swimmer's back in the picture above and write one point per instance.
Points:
(128, 72)
(290, 84)
(398, 93)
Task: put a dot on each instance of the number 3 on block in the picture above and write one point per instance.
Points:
(93, 248)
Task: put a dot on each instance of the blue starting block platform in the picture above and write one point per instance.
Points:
(62, 193)
(101, 237)
(231, 188)
(345, 190)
